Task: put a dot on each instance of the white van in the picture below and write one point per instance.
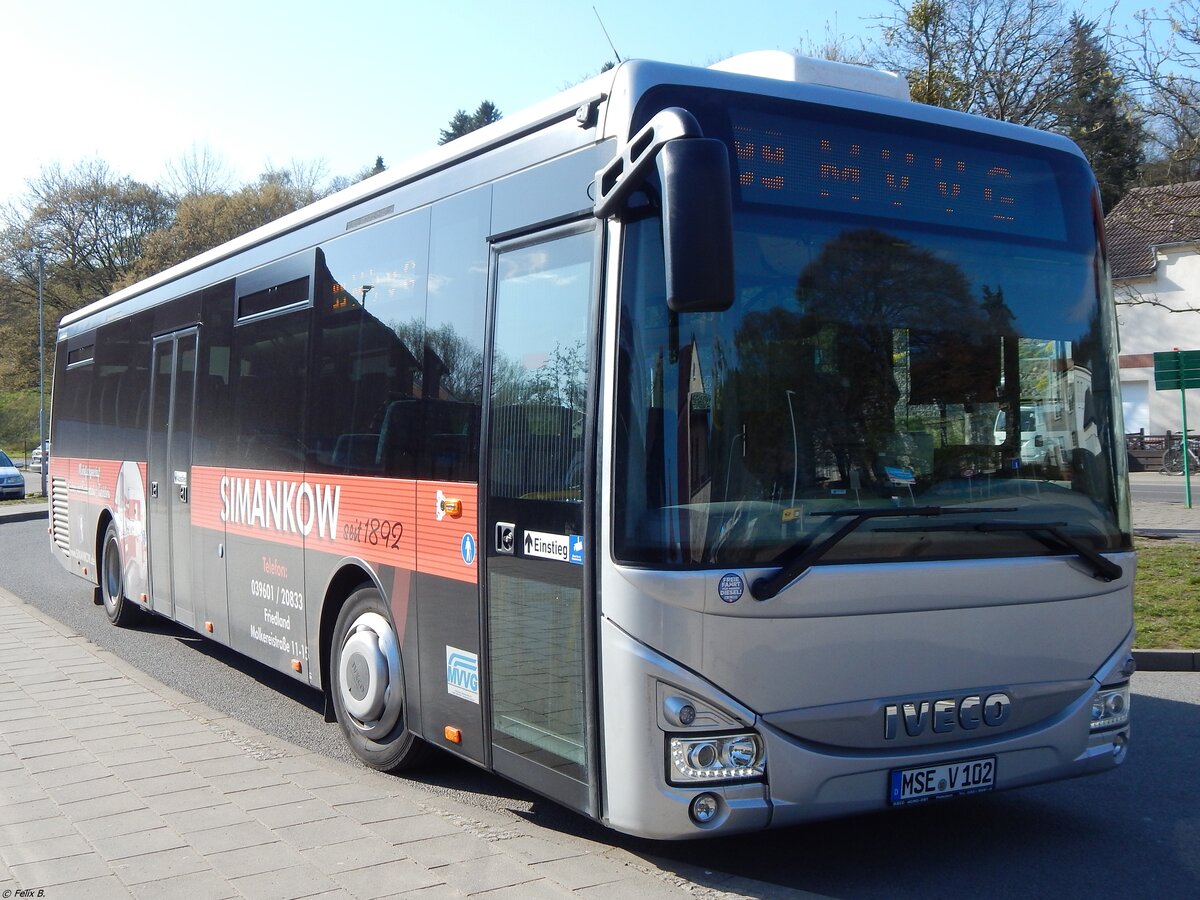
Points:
(1045, 435)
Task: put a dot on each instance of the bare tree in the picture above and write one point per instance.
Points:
(1164, 58)
(1006, 59)
(88, 224)
(202, 221)
(836, 47)
(199, 171)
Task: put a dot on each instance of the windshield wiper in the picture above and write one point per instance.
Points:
(770, 585)
(1045, 532)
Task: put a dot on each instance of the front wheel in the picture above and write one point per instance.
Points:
(119, 608)
(1172, 463)
(367, 685)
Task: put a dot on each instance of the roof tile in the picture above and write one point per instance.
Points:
(1148, 217)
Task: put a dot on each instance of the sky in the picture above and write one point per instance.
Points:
(140, 84)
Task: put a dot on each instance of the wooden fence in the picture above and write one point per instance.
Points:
(1146, 450)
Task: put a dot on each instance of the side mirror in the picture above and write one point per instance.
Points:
(697, 224)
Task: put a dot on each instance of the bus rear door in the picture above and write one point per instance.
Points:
(169, 466)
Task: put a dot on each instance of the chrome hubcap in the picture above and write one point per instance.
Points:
(369, 682)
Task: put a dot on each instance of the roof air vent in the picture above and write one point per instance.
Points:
(785, 66)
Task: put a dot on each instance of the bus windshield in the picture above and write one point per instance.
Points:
(921, 320)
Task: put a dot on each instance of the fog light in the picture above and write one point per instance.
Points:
(1120, 748)
(705, 808)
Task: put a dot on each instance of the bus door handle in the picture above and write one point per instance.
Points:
(154, 489)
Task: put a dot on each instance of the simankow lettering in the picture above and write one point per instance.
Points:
(290, 507)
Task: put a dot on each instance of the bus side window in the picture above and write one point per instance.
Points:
(269, 365)
(369, 301)
(452, 356)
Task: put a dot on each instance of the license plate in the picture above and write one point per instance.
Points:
(948, 779)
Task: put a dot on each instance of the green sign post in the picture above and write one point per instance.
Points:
(1179, 370)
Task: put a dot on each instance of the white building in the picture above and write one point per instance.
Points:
(1154, 255)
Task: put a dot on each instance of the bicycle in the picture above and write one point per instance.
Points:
(1172, 461)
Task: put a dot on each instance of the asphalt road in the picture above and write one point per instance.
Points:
(1163, 489)
(1131, 833)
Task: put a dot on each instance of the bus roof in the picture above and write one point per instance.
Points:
(603, 106)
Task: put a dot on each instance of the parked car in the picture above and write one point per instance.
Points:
(12, 482)
(35, 458)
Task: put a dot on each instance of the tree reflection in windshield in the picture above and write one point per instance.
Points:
(883, 369)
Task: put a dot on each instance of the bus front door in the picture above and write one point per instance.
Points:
(535, 534)
(169, 466)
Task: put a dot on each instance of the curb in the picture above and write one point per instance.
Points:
(1167, 660)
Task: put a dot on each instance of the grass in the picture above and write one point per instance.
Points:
(1166, 595)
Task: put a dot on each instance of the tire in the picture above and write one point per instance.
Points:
(119, 608)
(366, 683)
(1172, 463)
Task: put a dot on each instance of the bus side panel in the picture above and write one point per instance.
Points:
(74, 517)
(265, 568)
(210, 589)
(449, 635)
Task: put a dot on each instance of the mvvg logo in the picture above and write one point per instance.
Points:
(462, 674)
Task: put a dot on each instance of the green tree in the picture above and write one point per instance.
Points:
(463, 123)
(204, 221)
(1097, 114)
(90, 226)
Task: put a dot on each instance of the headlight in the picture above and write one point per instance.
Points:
(1110, 708)
(725, 757)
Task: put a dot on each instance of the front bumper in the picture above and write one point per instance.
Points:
(804, 781)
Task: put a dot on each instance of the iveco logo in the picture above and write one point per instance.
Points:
(944, 716)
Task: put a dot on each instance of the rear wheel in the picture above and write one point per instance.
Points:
(1172, 463)
(119, 608)
(367, 685)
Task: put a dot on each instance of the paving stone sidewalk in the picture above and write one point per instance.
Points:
(113, 785)
(1166, 518)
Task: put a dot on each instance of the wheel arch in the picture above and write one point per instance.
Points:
(349, 577)
(105, 519)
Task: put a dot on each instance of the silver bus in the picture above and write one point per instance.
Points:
(641, 448)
